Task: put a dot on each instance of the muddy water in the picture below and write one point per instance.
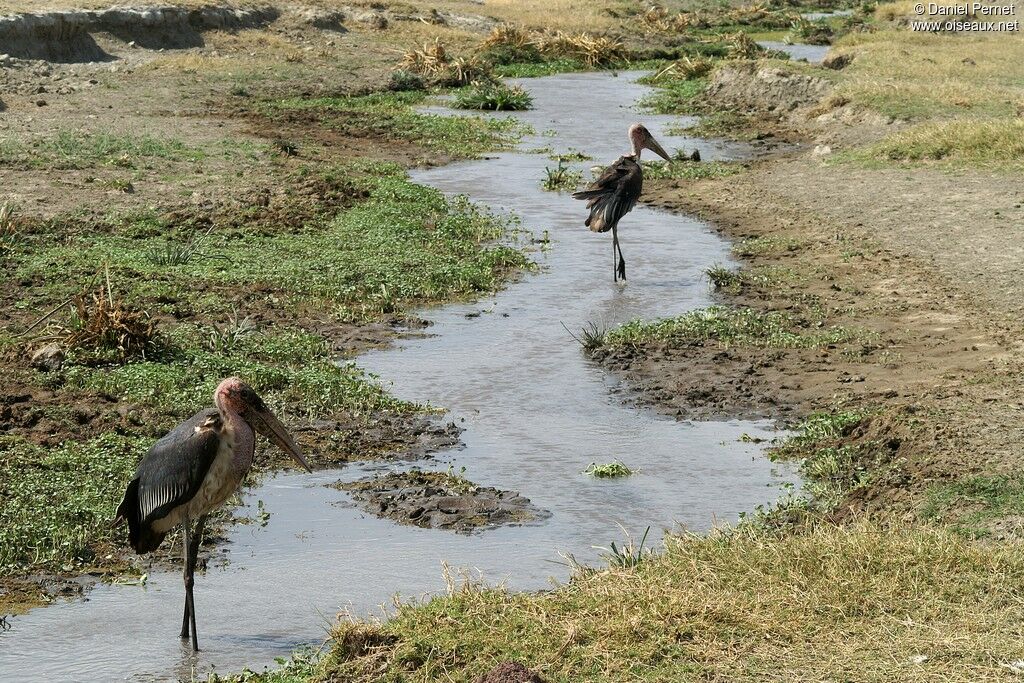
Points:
(813, 54)
(535, 413)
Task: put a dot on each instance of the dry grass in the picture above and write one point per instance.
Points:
(686, 68)
(9, 228)
(434, 63)
(922, 75)
(588, 48)
(742, 46)
(558, 15)
(958, 142)
(657, 19)
(850, 603)
(103, 322)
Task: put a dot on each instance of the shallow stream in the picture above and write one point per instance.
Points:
(534, 410)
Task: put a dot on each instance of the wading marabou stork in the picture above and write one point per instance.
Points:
(194, 469)
(616, 190)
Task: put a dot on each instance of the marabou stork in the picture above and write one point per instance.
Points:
(615, 192)
(194, 469)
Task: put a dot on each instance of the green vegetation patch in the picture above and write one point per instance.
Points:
(561, 178)
(768, 245)
(392, 115)
(494, 97)
(973, 504)
(674, 95)
(405, 245)
(764, 278)
(830, 464)
(610, 470)
(292, 369)
(728, 326)
(538, 69)
(75, 150)
(738, 606)
(57, 502)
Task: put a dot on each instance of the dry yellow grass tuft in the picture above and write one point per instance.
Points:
(590, 49)
(434, 62)
(103, 322)
(506, 35)
(742, 46)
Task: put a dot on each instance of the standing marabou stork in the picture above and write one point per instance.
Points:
(194, 469)
(614, 193)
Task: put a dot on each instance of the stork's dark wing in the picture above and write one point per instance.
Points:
(613, 194)
(169, 475)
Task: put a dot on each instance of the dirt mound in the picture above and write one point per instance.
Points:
(509, 672)
(437, 500)
(66, 36)
(767, 89)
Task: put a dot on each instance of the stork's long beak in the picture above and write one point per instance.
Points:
(269, 426)
(653, 145)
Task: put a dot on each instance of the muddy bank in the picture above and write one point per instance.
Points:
(436, 500)
(918, 353)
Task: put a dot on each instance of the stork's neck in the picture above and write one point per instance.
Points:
(241, 438)
(636, 151)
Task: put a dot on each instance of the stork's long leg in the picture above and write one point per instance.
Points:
(185, 555)
(615, 260)
(193, 555)
(620, 271)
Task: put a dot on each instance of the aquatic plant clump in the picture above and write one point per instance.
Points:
(561, 178)
(494, 97)
(611, 470)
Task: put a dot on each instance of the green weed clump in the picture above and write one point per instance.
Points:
(735, 281)
(818, 32)
(611, 470)
(675, 96)
(727, 326)
(561, 178)
(831, 466)
(494, 97)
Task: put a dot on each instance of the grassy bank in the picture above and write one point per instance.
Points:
(823, 603)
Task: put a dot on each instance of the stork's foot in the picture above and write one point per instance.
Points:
(621, 270)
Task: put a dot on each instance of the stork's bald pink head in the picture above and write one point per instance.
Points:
(235, 396)
(641, 138)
